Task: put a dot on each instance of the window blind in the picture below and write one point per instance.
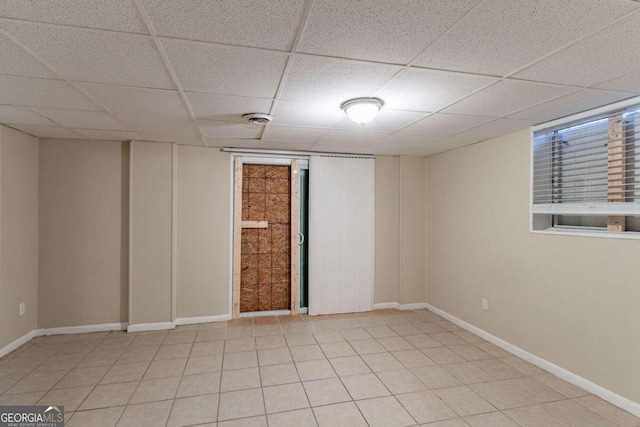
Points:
(589, 167)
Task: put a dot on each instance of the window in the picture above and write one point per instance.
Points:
(586, 172)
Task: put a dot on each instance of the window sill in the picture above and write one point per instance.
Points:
(628, 235)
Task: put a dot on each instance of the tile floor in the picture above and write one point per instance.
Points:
(387, 368)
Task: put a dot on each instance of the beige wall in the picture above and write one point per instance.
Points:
(204, 232)
(400, 230)
(387, 235)
(83, 232)
(84, 228)
(18, 233)
(84, 224)
(413, 224)
(150, 298)
(574, 301)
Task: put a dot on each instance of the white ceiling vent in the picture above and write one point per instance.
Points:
(258, 118)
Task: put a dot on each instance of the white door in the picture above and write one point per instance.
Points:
(341, 234)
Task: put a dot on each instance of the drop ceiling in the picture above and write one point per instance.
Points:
(451, 73)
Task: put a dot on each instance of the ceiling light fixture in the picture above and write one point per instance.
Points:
(362, 110)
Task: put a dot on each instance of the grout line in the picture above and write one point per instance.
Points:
(411, 320)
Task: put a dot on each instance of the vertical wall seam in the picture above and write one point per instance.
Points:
(426, 229)
(399, 239)
(36, 242)
(131, 145)
(231, 229)
(1, 211)
(174, 230)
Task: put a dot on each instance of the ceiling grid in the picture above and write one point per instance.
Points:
(183, 71)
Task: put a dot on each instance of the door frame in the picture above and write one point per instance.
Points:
(237, 162)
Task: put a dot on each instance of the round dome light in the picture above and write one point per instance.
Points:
(362, 110)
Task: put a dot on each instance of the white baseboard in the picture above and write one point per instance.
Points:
(266, 313)
(142, 327)
(570, 377)
(84, 329)
(202, 319)
(398, 306)
(17, 343)
(386, 305)
(414, 306)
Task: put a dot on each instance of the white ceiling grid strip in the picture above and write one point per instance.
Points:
(287, 69)
(573, 42)
(56, 72)
(413, 61)
(148, 15)
(163, 54)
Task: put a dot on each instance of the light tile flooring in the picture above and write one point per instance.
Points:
(387, 368)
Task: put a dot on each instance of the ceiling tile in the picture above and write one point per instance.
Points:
(487, 131)
(270, 24)
(285, 145)
(506, 97)
(348, 137)
(43, 93)
(570, 104)
(116, 15)
(441, 125)
(82, 119)
(386, 121)
(414, 152)
(333, 81)
(311, 114)
(226, 70)
(342, 148)
(21, 63)
(429, 90)
(95, 56)
(234, 143)
(163, 137)
(443, 146)
(48, 131)
(627, 83)
(376, 31)
(138, 101)
(486, 41)
(398, 140)
(229, 130)
(596, 59)
(381, 150)
(226, 108)
(161, 126)
(11, 115)
(292, 134)
(107, 135)
(401, 144)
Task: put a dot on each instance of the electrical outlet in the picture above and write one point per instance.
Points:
(22, 308)
(485, 304)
